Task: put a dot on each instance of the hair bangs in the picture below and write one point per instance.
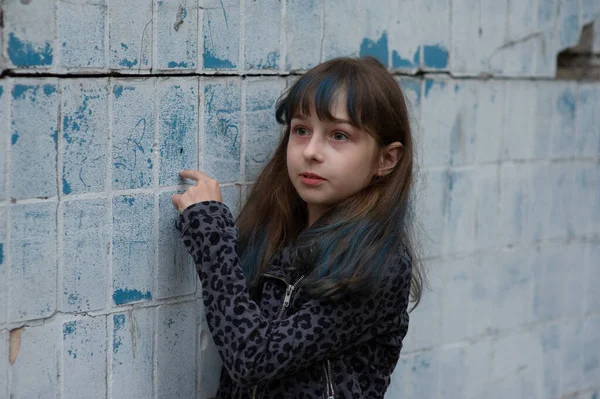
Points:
(322, 89)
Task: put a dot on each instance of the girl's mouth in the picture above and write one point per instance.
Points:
(311, 179)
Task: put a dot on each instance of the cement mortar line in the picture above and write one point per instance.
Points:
(82, 315)
(420, 74)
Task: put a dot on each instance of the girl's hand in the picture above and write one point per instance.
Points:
(206, 189)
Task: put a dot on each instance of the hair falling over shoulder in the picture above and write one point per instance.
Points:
(345, 250)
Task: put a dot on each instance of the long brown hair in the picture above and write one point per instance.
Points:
(350, 243)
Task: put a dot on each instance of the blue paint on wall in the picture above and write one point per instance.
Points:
(18, 91)
(123, 296)
(49, 89)
(565, 104)
(24, 54)
(128, 63)
(1, 90)
(435, 56)
(173, 64)
(14, 138)
(429, 85)
(271, 62)
(211, 61)
(119, 322)
(399, 62)
(66, 186)
(1, 253)
(69, 328)
(118, 90)
(378, 49)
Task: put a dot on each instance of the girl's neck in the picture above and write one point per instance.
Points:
(314, 213)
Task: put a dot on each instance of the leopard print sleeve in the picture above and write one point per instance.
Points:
(255, 349)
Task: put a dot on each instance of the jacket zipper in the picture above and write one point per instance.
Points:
(329, 388)
(286, 302)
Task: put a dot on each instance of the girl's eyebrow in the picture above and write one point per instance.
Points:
(334, 120)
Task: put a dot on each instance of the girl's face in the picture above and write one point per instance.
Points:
(342, 156)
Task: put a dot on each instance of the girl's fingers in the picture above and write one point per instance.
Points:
(193, 174)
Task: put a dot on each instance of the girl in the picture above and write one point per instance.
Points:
(306, 295)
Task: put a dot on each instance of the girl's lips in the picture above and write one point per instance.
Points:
(311, 179)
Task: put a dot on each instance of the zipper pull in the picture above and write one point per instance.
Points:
(288, 295)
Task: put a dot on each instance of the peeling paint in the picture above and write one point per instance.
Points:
(378, 49)
(435, 56)
(14, 344)
(27, 54)
(123, 296)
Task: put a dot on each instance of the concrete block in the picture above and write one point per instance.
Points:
(133, 248)
(461, 220)
(465, 295)
(426, 319)
(84, 358)
(354, 28)
(514, 201)
(515, 289)
(130, 35)
(30, 31)
(478, 376)
(591, 278)
(585, 216)
(424, 371)
(4, 364)
(568, 23)
(84, 135)
(478, 32)
(231, 198)
(221, 31)
(34, 373)
(33, 138)
(177, 128)
(405, 42)
(572, 299)
(588, 120)
(412, 88)
(81, 34)
(560, 190)
(303, 45)
(177, 34)
(452, 370)
(516, 366)
(548, 264)
(438, 116)
(132, 353)
(3, 265)
(84, 255)
(487, 122)
(222, 130)
(572, 348)
(132, 133)
(263, 133)
(208, 361)
(519, 126)
(432, 210)
(591, 357)
(549, 337)
(544, 118)
(4, 115)
(33, 261)
(176, 273)
(261, 45)
(486, 224)
(563, 140)
(176, 350)
(537, 209)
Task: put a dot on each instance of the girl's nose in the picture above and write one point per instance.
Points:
(314, 149)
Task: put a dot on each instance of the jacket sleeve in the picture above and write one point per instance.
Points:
(254, 348)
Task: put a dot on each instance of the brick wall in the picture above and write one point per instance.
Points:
(102, 102)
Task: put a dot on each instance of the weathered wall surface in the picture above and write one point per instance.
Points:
(102, 102)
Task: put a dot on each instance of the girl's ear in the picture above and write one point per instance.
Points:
(389, 157)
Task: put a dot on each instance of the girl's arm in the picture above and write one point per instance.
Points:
(254, 348)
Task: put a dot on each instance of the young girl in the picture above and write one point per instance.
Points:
(307, 296)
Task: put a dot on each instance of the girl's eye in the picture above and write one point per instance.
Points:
(301, 131)
(339, 136)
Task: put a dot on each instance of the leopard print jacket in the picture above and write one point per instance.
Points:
(292, 345)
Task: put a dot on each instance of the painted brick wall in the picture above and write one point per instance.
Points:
(102, 102)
